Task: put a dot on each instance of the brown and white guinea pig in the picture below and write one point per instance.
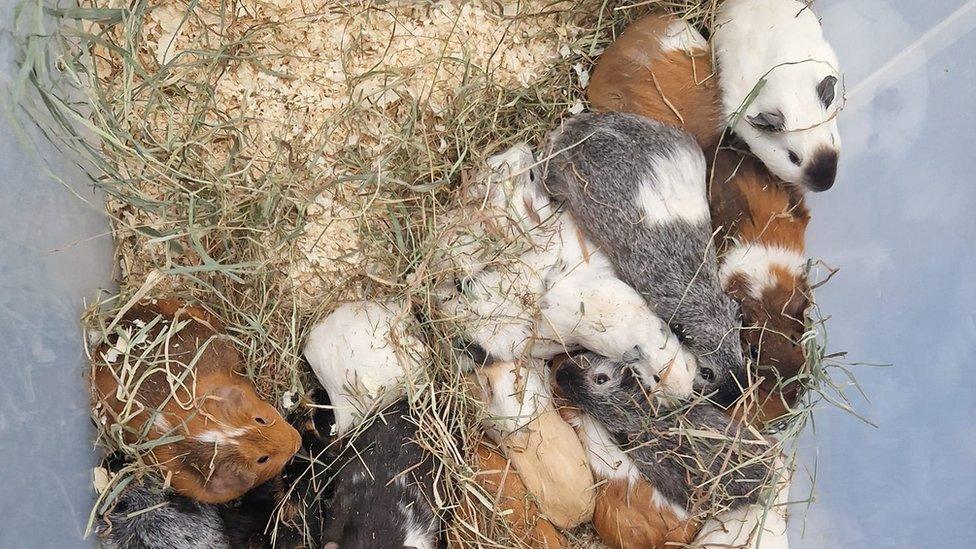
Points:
(384, 488)
(289, 511)
(526, 527)
(760, 231)
(188, 383)
(545, 451)
(661, 68)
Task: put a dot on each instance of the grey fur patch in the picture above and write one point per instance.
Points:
(181, 523)
(599, 164)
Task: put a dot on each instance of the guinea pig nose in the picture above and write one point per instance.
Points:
(822, 170)
(707, 374)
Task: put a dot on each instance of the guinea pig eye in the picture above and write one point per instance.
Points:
(600, 379)
(260, 421)
(754, 353)
(263, 459)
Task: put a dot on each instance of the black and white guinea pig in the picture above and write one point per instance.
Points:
(148, 518)
(636, 187)
(384, 489)
(779, 83)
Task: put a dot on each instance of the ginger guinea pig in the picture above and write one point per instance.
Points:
(168, 371)
(501, 481)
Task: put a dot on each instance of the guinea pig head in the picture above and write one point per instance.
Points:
(234, 442)
(602, 388)
(791, 125)
(773, 327)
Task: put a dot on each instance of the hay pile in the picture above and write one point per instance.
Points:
(270, 159)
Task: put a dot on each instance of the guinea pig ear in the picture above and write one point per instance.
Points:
(231, 482)
(633, 355)
(230, 396)
(826, 90)
(331, 545)
(767, 121)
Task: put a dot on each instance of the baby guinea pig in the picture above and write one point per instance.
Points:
(658, 439)
(168, 371)
(384, 489)
(776, 51)
(636, 187)
(145, 518)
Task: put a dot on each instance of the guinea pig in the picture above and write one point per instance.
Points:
(553, 291)
(288, 511)
(779, 80)
(168, 371)
(661, 68)
(146, 518)
(545, 451)
(630, 513)
(526, 527)
(636, 187)
(760, 235)
(384, 489)
(363, 354)
(692, 473)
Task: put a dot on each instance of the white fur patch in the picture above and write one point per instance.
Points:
(608, 461)
(161, 424)
(756, 263)
(224, 436)
(362, 358)
(681, 36)
(678, 190)
(518, 395)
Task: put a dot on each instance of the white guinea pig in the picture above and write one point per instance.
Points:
(776, 51)
(363, 354)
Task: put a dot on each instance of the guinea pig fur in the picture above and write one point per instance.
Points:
(145, 518)
(636, 187)
(751, 526)
(791, 123)
(526, 527)
(545, 451)
(655, 438)
(661, 68)
(557, 292)
(630, 513)
(384, 489)
(761, 227)
(189, 383)
(363, 354)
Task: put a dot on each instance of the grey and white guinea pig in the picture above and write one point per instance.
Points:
(657, 437)
(384, 489)
(790, 123)
(147, 518)
(636, 187)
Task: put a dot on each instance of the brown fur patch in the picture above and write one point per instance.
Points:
(636, 75)
(627, 518)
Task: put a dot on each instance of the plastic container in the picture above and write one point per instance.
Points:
(899, 223)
